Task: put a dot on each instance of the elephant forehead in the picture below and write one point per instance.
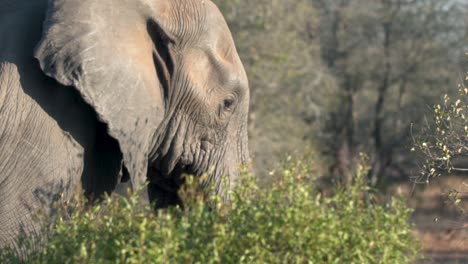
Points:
(220, 47)
(183, 19)
(198, 69)
(209, 71)
(191, 20)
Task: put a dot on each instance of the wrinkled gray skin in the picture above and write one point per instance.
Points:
(93, 93)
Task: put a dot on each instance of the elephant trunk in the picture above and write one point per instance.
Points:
(235, 161)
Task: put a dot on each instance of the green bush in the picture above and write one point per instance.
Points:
(288, 222)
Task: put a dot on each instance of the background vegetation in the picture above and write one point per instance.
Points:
(340, 77)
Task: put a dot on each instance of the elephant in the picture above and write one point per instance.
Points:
(97, 93)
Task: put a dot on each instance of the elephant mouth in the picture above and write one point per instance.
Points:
(163, 188)
(170, 181)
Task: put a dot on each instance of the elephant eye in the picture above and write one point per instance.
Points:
(227, 106)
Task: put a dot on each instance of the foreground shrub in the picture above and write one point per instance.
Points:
(288, 222)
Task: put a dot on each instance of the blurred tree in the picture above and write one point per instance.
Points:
(390, 59)
(345, 76)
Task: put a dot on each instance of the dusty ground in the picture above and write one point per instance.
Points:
(441, 226)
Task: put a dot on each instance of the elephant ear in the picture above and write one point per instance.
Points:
(104, 49)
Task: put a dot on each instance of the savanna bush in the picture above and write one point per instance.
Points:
(288, 222)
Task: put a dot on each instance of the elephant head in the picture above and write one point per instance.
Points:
(165, 78)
